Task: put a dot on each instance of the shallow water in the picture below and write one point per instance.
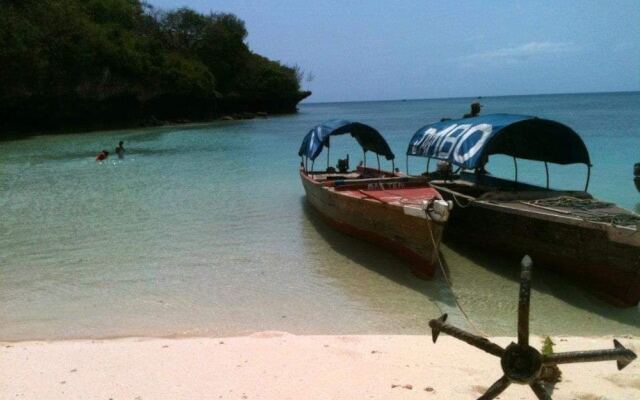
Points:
(204, 230)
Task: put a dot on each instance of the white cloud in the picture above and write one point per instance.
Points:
(521, 53)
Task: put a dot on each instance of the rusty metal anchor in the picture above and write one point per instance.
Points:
(521, 363)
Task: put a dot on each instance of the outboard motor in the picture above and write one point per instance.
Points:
(343, 165)
(636, 175)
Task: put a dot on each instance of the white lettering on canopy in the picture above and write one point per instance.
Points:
(484, 130)
(452, 140)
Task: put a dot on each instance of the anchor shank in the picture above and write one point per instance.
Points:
(523, 304)
(474, 340)
(589, 356)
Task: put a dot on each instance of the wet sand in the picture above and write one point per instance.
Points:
(277, 365)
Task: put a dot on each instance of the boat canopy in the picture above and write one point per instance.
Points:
(368, 138)
(469, 142)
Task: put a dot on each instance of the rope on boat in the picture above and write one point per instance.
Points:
(455, 199)
(446, 278)
(572, 202)
(589, 210)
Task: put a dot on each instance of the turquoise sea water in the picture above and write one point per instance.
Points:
(203, 230)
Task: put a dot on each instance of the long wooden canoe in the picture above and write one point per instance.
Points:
(602, 255)
(402, 214)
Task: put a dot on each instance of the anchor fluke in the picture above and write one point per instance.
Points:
(627, 356)
(436, 325)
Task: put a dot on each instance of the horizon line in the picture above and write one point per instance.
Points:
(467, 97)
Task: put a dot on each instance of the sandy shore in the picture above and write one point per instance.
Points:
(276, 365)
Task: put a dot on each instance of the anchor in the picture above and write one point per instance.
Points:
(521, 363)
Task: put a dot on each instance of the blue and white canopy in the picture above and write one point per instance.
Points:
(368, 138)
(469, 142)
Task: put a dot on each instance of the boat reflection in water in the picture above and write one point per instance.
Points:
(592, 241)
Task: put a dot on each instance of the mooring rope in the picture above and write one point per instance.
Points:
(450, 285)
(455, 198)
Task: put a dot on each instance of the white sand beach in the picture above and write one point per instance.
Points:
(278, 365)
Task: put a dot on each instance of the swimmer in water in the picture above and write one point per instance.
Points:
(102, 155)
(120, 150)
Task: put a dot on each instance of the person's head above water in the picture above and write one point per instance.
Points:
(121, 143)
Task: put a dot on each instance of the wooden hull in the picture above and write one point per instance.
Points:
(414, 238)
(605, 258)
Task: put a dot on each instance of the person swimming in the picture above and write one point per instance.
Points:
(120, 150)
(102, 155)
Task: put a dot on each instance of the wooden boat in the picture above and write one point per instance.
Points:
(594, 242)
(402, 214)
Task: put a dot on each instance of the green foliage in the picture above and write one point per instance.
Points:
(547, 346)
(550, 373)
(265, 77)
(64, 52)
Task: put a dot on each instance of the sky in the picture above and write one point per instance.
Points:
(388, 50)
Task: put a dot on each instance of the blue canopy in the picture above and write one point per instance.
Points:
(469, 142)
(368, 138)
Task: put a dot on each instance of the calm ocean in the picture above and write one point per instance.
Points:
(204, 230)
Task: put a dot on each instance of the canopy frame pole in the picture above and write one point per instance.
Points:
(365, 158)
(306, 164)
(586, 186)
(328, 152)
(515, 163)
(312, 162)
(428, 162)
(407, 164)
(546, 168)
(393, 166)
(378, 157)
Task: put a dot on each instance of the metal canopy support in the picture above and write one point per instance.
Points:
(586, 186)
(407, 164)
(378, 158)
(365, 158)
(515, 163)
(393, 165)
(521, 363)
(428, 162)
(328, 151)
(546, 168)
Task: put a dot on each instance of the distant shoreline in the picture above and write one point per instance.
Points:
(141, 124)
